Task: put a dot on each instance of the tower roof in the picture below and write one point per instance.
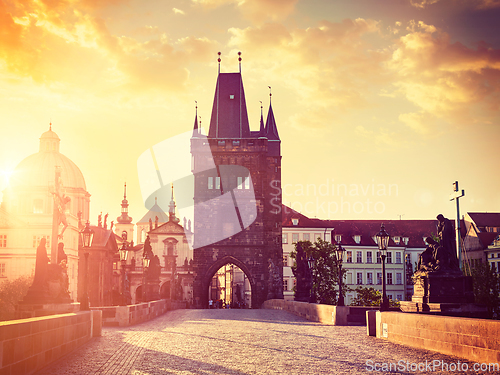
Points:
(153, 213)
(271, 128)
(229, 112)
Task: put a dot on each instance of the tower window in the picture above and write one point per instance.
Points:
(217, 183)
(231, 96)
(210, 183)
(247, 183)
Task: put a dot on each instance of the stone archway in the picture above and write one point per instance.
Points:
(214, 267)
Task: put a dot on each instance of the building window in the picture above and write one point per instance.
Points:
(389, 257)
(240, 183)
(399, 297)
(210, 183)
(236, 143)
(379, 278)
(306, 237)
(349, 278)
(247, 183)
(359, 256)
(389, 278)
(359, 278)
(357, 239)
(398, 257)
(38, 206)
(379, 259)
(328, 237)
(396, 239)
(221, 143)
(217, 183)
(2, 269)
(399, 278)
(405, 240)
(338, 238)
(349, 256)
(285, 285)
(389, 296)
(3, 240)
(295, 221)
(295, 237)
(369, 257)
(285, 260)
(284, 238)
(316, 236)
(369, 278)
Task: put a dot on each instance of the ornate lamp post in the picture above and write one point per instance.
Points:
(123, 258)
(340, 253)
(310, 262)
(145, 265)
(383, 241)
(87, 236)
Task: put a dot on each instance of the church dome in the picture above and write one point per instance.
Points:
(39, 169)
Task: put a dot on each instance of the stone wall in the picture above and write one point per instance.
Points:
(473, 339)
(326, 314)
(123, 316)
(26, 345)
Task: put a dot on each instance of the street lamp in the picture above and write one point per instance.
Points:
(145, 265)
(383, 241)
(340, 253)
(87, 236)
(123, 258)
(310, 262)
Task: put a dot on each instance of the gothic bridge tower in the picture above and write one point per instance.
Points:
(237, 196)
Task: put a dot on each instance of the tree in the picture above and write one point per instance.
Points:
(324, 272)
(486, 284)
(11, 292)
(366, 297)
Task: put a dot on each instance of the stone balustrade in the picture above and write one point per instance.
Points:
(26, 345)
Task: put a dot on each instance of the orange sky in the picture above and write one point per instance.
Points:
(380, 106)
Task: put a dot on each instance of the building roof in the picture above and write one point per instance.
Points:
(39, 169)
(153, 213)
(102, 237)
(485, 219)
(414, 230)
(229, 112)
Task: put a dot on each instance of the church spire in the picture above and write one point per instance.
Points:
(171, 208)
(124, 218)
(271, 129)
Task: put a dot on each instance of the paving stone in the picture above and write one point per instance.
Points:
(241, 342)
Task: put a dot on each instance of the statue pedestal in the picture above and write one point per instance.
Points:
(442, 288)
(443, 294)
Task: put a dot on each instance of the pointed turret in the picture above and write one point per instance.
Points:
(271, 131)
(262, 130)
(196, 131)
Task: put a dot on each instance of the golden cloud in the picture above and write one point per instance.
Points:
(447, 80)
(258, 11)
(65, 42)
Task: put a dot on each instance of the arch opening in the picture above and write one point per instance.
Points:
(229, 287)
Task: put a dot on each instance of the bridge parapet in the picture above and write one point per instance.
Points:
(27, 345)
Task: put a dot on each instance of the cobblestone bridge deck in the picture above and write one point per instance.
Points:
(239, 342)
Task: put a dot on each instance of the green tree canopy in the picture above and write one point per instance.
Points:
(486, 283)
(325, 270)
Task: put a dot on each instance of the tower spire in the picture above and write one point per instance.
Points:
(195, 128)
(218, 60)
(262, 129)
(171, 210)
(239, 60)
(124, 218)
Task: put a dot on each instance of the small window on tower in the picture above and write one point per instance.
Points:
(231, 96)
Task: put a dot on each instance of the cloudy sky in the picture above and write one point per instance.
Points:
(380, 105)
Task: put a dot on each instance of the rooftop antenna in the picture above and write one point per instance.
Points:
(218, 60)
(239, 60)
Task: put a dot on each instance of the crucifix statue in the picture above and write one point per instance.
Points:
(456, 195)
